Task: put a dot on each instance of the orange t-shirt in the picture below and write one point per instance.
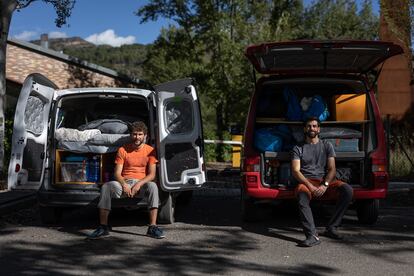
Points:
(135, 160)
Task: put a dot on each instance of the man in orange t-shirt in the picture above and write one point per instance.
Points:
(135, 168)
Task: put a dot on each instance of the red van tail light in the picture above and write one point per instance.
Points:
(378, 164)
(379, 173)
(17, 168)
(252, 164)
(379, 168)
(252, 178)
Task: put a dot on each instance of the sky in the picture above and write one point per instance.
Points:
(111, 22)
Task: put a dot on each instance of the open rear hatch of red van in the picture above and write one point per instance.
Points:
(312, 57)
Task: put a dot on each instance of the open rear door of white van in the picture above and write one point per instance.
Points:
(180, 149)
(30, 133)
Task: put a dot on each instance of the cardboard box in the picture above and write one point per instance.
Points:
(350, 107)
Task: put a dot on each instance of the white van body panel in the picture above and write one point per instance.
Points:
(30, 134)
(34, 93)
(173, 109)
(132, 91)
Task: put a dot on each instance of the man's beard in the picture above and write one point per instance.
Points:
(138, 143)
(311, 134)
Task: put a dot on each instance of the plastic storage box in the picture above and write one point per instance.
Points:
(73, 171)
(340, 145)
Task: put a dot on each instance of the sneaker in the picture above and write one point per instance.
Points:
(333, 234)
(155, 232)
(100, 232)
(310, 241)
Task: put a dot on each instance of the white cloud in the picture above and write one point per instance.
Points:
(56, 34)
(109, 37)
(26, 35)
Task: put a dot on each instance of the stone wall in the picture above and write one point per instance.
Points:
(64, 71)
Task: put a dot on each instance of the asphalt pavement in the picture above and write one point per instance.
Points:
(209, 237)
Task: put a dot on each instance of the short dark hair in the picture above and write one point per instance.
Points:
(138, 126)
(309, 119)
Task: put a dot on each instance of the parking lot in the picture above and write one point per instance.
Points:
(209, 238)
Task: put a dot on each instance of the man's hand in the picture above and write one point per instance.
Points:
(319, 191)
(127, 190)
(135, 189)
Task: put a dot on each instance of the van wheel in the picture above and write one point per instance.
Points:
(367, 211)
(167, 210)
(50, 215)
(184, 198)
(250, 212)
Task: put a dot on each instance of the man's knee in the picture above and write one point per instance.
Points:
(303, 192)
(111, 189)
(106, 188)
(303, 198)
(152, 188)
(152, 195)
(346, 191)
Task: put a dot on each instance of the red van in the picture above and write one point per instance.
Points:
(341, 73)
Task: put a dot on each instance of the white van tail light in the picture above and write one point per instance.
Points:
(17, 168)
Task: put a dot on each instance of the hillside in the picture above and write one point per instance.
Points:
(126, 59)
(58, 44)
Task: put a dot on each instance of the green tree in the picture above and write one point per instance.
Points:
(207, 43)
(7, 7)
(340, 19)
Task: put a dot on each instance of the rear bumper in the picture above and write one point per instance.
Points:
(77, 198)
(273, 193)
(68, 198)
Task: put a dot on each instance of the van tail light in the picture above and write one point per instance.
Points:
(252, 169)
(252, 164)
(17, 168)
(379, 173)
(379, 168)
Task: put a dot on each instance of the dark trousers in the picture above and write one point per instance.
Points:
(344, 197)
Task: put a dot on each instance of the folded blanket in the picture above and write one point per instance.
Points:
(70, 134)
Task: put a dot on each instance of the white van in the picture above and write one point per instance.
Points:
(62, 137)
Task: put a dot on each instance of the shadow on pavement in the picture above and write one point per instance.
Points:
(222, 251)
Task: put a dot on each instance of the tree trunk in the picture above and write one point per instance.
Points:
(7, 8)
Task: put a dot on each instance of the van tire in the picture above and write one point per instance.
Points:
(367, 211)
(50, 215)
(249, 210)
(184, 198)
(166, 211)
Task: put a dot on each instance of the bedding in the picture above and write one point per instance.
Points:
(91, 140)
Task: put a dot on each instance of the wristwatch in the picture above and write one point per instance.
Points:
(326, 183)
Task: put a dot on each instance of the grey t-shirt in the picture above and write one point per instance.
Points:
(313, 158)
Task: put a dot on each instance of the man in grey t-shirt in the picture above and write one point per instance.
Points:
(313, 166)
